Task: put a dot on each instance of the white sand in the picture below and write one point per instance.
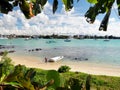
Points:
(81, 67)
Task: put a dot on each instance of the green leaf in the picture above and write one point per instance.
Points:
(118, 4)
(5, 6)
(92, 1)
(2, 78)
(15, 3)
(25, 8)
(26, 83)
(30, 73)
(91, 15)
(14, 84)
(42, 2)
(37, 8)
(6, 65)
(17, 71)
(101, 7)
(55, 5)
(21, 78)
(68, 4)
(104, 23)
(33, 1)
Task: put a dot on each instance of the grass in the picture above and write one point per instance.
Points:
(98, 82)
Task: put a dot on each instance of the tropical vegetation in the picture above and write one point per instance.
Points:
(64, 69)
(20, 77)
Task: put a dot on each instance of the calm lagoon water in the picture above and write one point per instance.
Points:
(87, 50)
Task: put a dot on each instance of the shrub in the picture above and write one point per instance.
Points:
(55, 77)
(6, 65)
(64, 69)
(75, 84)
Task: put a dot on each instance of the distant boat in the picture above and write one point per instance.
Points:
(26, 39)
(50, 42)
(54, 59)
(106, 40)
(35, 37)
(67, 40)
(3, 38)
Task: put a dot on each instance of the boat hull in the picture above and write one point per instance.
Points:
(55, 59)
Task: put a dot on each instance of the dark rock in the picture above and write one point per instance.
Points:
(12, 51)
(29, 50)
(86, 59)
(37, 49)
(76, 58)
(40, 49)
(1, 53)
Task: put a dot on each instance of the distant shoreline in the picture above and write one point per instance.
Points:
(34, 62)
(57, 36)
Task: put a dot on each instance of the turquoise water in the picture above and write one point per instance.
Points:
(88, 50)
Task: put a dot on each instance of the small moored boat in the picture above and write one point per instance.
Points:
(26, 39)
(48, 42)
(106, 40)
(54, 59)
(3, 37)
(67, 40)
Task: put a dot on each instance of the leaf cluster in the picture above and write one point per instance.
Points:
(100, 7)
(19, 77)
(64, 69)
(31, 8)
(5, 65)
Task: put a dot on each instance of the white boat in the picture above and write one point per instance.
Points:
(54, 59)
(26, 39)
(3, 38)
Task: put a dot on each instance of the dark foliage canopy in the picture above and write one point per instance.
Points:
(31, 8)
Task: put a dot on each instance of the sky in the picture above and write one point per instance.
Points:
(62, 22)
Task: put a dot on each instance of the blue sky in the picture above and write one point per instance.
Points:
(61, 22)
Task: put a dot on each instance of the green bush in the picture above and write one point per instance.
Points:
(75, 84)
(64, 69)
(55, 76)
(6, 64)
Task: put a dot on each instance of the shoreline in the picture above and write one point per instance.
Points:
(89, 68)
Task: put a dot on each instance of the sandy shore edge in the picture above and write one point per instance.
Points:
(81, 67)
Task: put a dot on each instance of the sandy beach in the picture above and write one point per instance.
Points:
(95, 69)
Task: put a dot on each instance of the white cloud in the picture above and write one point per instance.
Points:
(47, 23)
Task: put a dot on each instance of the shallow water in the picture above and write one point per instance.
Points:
(88, 50)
